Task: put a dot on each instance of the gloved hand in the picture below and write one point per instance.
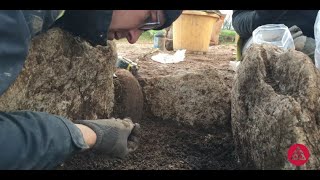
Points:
(303, 43)
(115, 137)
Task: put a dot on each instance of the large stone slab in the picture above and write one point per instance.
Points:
(65, 76)
(197, 98)
(275, 104)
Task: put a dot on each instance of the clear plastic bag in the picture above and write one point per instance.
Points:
(317, 38)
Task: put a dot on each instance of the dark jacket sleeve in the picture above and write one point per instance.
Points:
(29, 140)
(92, 25)
(245, 22)
(36, 140)
(14, 40)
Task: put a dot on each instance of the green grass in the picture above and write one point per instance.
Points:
(148, 35)
(227, 37)
(227, 33)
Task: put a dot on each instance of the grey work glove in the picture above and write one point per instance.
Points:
(115, 137)
(303, 43)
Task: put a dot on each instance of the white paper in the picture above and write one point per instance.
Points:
(168, 58)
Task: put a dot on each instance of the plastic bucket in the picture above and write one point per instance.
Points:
(192, 30)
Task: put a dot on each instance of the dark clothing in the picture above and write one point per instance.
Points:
(246, 21)
(35, 140)
(90, 25)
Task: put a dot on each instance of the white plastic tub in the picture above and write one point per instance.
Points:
(276, 34)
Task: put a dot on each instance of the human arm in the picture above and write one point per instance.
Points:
(38, 140)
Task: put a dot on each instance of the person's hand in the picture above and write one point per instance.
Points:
(295, 31)
(303, 43)
(115, 137)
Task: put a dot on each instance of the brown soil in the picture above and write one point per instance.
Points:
(166, 144)
(217, 57)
